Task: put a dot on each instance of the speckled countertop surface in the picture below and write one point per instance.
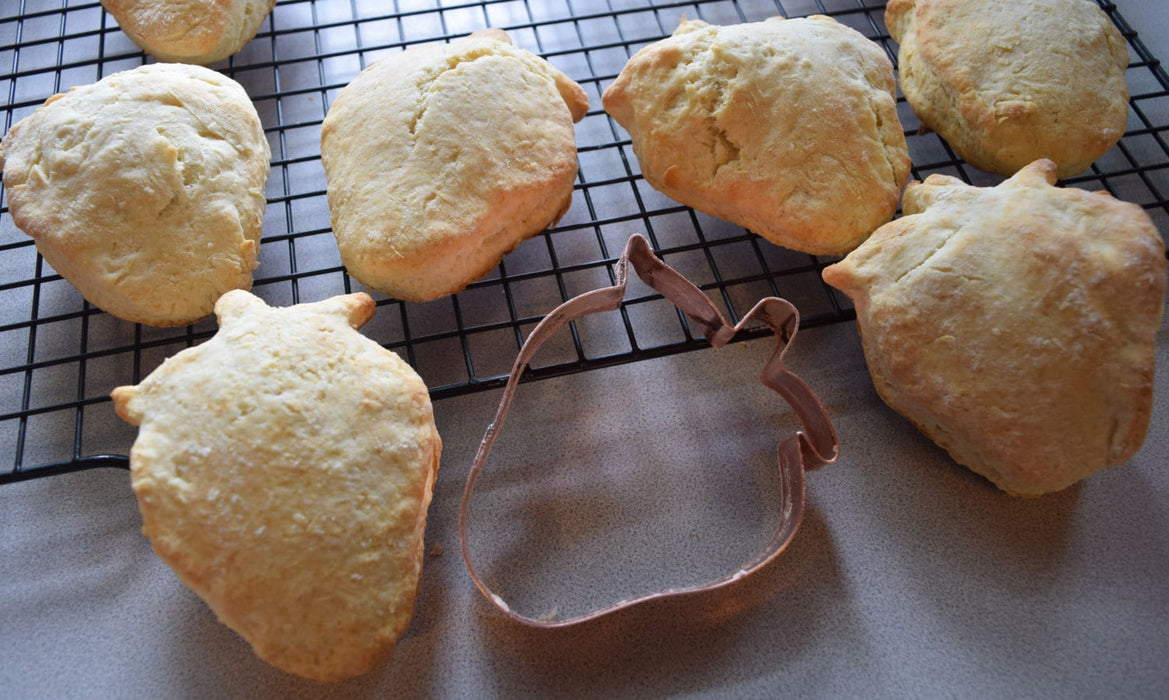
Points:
(910, 577)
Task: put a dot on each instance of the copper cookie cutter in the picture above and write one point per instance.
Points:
(810, 448)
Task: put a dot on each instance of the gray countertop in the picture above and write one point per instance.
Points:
(911, 577)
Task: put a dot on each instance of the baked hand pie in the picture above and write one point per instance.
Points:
(283, 469)
(1014, 325)
(199, 32)
(145, 190)
(787, 127)
(1007, 83)
(442, 158)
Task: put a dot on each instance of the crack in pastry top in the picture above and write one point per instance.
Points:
(429, 78)
(709, 70)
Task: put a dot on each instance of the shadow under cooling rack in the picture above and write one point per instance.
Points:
(62, 357)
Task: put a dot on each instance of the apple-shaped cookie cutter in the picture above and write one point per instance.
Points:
(810, 448)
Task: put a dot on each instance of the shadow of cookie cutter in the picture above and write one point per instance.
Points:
(813, 447)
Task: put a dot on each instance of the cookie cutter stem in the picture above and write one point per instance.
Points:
(810, 448)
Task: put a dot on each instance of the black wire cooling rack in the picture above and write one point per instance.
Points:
(61, 356)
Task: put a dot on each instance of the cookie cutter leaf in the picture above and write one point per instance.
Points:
(810, 448)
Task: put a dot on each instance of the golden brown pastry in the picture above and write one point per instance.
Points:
(1006, 82)
(283, 469)
(145, 190)
(442, 158)
(190, 31)
(786, 127)
(1014, 325)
